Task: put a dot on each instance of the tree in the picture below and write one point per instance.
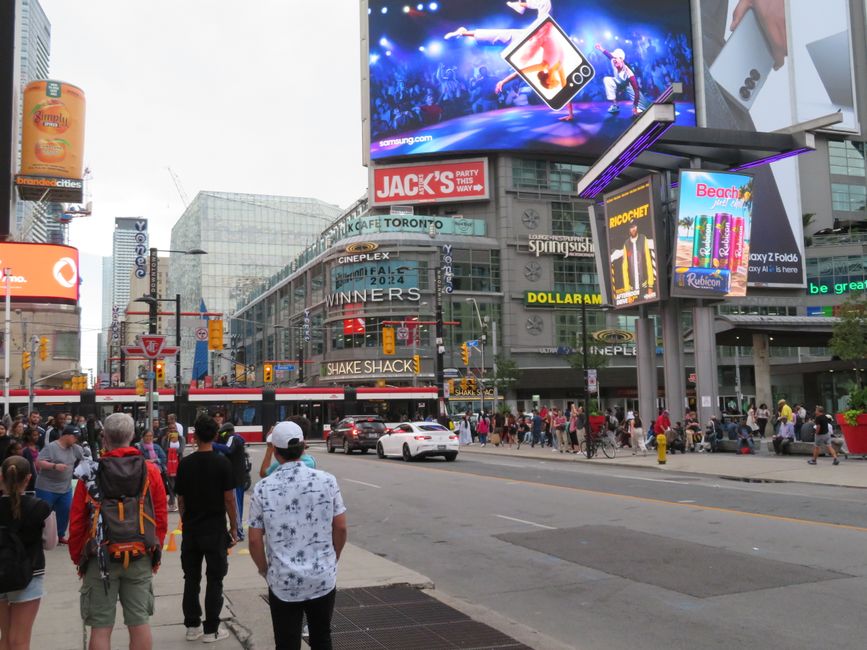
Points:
(507, 374)
(594, 360)
(849, 336)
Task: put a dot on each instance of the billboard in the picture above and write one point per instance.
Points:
(712, 245)
(766, 71)
(552, 76)
(454, 180)
(52, 130)
(632, 250)
(40, 272)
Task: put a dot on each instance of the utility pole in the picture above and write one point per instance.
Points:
(494, 364)
(33, 342)
(7, 342)
(584, 356)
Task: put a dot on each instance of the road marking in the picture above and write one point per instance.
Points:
(524, 521)
(378, 487)
(629, 497)
(653, 480)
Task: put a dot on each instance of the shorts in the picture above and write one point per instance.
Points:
(133, 585)
(822, 441)
(33, 591)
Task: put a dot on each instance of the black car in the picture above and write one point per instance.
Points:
(356, 432)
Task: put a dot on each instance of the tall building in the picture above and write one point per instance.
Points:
(34, 222)
(248, 238)
(129, 251)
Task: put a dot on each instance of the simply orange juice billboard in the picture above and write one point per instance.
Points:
(39, 272)
(52, 136)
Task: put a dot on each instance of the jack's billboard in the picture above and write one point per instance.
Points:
(554, 76)
(632, 250)
(39, 272)
(712, 243)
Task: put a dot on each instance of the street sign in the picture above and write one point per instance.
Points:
(592, 383)
(450, 373)
(284, 367)
(402, 333)
(152, 344)
(201, 333)
(693, 378)
(150, 376)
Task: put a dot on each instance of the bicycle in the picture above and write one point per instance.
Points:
(591, 445)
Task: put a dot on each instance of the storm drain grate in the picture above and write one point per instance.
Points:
(410, 619)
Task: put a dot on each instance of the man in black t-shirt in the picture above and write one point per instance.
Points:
(205, 489)
(823, 437)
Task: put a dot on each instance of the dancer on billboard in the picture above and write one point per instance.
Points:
(622, 79)
(502, 36)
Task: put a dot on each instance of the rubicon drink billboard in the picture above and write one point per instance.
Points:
(714, 220)
(39, 272)
(52, 134)
(456, 180)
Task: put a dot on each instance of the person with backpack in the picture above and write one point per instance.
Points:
(27, 528)
(117, 527)
(232, 446)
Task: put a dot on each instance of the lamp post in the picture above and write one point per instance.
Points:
(484, 339)
(438, 316)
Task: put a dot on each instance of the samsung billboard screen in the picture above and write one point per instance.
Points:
(548, 76)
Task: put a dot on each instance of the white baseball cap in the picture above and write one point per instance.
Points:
(285, 434)
(619, 54)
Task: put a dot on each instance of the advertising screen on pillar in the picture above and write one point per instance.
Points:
(552, 76)
(712, 244)
(632, 250)
(39, 272)
(455, 180)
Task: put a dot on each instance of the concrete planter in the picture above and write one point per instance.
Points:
(856, 436)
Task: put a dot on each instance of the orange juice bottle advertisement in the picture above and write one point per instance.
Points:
(52, 136)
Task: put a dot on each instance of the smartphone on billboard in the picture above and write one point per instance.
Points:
(744, 62)
(550, 63)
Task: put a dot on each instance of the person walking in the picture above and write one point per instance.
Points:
(32, 521)
(54, 479)
(300, 568)
(483, 428)
(636, 432)
(205, 488)
(465, 431)
(823, 437)
(174, 452)
(117, 528)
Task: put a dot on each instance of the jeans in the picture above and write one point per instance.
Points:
(213, 549)
(239, 499)
(60, 503)
(286, 620)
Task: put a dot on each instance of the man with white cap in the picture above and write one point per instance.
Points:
(300, 513)
(622, 78)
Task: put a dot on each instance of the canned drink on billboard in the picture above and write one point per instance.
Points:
(52, 133)
(702, 241)
(713, 280)
(737, 249)
(722, 240)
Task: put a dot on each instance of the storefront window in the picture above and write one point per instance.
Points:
(576, 275)
(544, 175)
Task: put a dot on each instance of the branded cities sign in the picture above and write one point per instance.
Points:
(455, 180)
(565, 245)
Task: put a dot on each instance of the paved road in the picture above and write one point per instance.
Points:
(618, 558)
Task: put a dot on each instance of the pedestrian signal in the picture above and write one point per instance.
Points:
(268, 373)
(25, 360)
(416, 363)
(215, 334)
(388, 340)
(43, 348)
(465, 354)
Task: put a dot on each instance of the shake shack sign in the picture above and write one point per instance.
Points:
(369, 367)
(561, 245)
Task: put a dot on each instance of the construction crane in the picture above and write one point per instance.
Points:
(179, 187)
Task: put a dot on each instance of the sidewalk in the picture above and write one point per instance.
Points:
(762, 466)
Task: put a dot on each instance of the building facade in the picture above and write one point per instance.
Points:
(248, 238)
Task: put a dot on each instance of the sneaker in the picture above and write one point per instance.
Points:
(811, 462)
(63, 540)
(219, 635)
(517, 6)
(836, 461)
(460, 31)
(194, 633)
(614, 108)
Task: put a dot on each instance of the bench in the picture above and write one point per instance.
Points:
(795, 448)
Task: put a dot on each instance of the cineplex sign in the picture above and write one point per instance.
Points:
(368, 367)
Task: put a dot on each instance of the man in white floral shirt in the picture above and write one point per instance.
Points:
(299, 512)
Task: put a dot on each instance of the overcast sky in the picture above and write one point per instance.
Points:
(260, 96)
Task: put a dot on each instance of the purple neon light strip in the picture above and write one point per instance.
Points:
(770, 159)
(626, 158)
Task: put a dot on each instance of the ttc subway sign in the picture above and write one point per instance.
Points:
(451, 181)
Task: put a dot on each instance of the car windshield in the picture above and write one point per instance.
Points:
(370, 426)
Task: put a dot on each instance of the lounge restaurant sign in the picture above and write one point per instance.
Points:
(561, 245)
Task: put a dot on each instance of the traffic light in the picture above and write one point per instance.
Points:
(161, 373)
(139, 386)
(43, 348)
(25, 360)
(82, 382)
(465, 353)
(416, 363)
(464, 384)
(215, 334)
(268, 373)
(451, 386)
(388, 340)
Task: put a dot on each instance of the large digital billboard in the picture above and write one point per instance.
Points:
(557, 76)
(632, 249)
(39, 272)
(52, 130)
(712, 245)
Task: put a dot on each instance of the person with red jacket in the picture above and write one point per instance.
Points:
(105, 581)
(662, 424)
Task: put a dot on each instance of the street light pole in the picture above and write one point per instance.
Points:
(178, 343)
(584, 356)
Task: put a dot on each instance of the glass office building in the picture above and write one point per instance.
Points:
(248, 238)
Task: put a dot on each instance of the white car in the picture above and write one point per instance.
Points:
(412, 440)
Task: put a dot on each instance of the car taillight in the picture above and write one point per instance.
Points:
(354, 432)
(453, 437)
(422, 437)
